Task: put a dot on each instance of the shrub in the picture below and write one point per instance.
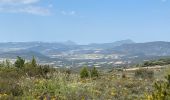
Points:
(161, 90)
(147, 63)
(10, 86)
(144, 73)
(94, 72)
(43, 70)
(33, 62)
(84, 73)
(19, 63)
(30, 70)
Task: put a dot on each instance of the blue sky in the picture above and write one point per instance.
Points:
(84, 21)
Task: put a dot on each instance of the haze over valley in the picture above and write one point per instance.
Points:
(70, 54)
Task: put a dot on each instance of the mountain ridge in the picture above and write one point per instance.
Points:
(61, 52)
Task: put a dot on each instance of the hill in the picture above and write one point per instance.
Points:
(158, 48)
(120, 52)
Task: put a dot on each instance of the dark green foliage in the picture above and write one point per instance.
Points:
(39, 71)
(84, 73)
(9, 81)
(10, 76)
(160, 62)
(43, 70)
(10, 72)
(19, 63)
(31, 68)
(147, 63)
(33, 62)
(94, 72)
(10, 87)
(144, 73)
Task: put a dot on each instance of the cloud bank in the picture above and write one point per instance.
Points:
(24, 6)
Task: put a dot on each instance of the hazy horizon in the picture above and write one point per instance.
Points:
(79, 43)
(84, 22)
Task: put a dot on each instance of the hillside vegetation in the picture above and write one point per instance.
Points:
(31, 81)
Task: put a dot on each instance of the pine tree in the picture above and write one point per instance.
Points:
(94, 72)
(19, 63)
(33, 62)
(84, 73)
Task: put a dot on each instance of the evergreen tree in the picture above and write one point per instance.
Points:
(94, 72)
(19, 63)
(33, 62)
(84, 73)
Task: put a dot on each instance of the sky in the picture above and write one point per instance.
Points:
(84, 21)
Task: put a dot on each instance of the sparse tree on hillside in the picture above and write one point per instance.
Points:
(33, 62)
(94, 72)
(19, 63)
(84, 73)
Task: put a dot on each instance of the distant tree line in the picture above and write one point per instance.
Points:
(31, 68)
(86, 73)
(160, 62)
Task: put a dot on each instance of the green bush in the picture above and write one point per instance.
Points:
(164, 61)
(84, 73)
(11, 87)
(30, 70)
(94, 72)
(44, 69)
(33, 62)
(19, 63)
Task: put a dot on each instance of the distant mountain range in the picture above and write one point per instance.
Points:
(158, 48)
(55, 51)
(110, 45)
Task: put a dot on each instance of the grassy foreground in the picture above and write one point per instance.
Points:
(29, 81)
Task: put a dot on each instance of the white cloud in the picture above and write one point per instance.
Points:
(36, 10)
(69, 13)
(18, 1)
(24, 6)
(29, 10)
